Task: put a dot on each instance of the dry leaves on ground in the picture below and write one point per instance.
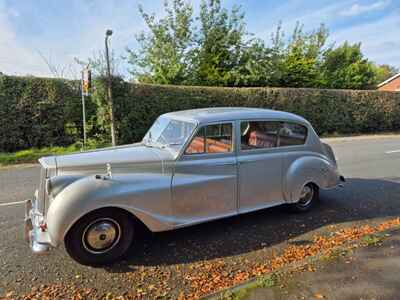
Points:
(205, 277)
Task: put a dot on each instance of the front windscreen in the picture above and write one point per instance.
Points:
(168, 132)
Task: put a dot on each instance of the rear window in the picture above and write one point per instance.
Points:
(259, 134)
(271, 134)
(292, 134)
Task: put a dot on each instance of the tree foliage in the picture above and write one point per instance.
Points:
(345, 68)
(384, 72)
(215, 49)
(165, 52)
(220, 44)
(302, 58)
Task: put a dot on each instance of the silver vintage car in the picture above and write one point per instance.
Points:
(192, 166)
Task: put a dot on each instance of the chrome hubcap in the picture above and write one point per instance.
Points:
(101, 235)
(306, 196)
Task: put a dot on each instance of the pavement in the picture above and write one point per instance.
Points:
(166, 263)
(370, 272)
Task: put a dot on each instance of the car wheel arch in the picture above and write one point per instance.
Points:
(88, 194)
(58, 232)
(134, 219)
(302, 171)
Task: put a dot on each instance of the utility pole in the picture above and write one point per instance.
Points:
(83, 108)
(109, 92)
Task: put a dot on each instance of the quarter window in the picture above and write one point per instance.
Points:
(292, 134)
(259, 134)
(216, 138)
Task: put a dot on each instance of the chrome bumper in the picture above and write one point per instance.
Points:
(38, 239)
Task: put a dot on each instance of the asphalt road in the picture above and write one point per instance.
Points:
(366, 273)
(372, 193)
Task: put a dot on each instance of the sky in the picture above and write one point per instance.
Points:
(35, 33)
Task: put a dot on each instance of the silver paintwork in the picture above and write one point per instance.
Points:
(169, 189)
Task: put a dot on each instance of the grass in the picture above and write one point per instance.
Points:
(33, 154)
(372, 240)
(267, 281)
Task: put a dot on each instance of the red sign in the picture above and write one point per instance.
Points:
(86, 81)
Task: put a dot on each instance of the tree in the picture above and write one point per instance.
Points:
(220, 52)
(384, 72)
(220, 44)
(346, 68)
(98, 64)
(303, 57)
(255, 66)
(164, 53)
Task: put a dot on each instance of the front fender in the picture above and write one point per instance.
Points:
(146, 196)
(308, 169)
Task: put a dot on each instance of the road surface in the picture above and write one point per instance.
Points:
(372, 193)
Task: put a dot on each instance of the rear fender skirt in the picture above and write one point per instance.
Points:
(308, 169)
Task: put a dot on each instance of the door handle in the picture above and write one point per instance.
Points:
(247, 161)
(223, 164)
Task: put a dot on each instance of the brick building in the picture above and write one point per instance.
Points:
(391, 84)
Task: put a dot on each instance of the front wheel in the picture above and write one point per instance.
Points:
(100, 237)
(309, 195)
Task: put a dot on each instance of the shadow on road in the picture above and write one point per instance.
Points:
(360, 199)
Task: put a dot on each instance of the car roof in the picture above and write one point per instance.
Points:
(216, 114)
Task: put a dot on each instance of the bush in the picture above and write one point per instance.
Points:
(39, 112)
(330, 111)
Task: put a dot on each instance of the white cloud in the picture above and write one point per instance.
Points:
(358, 9)
(85, 30)
(16, 58)
(379, 40)
(296, 13)
(23, 54)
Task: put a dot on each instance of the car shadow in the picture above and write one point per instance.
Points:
(360, 199)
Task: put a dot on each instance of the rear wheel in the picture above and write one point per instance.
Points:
(100, 237)
(308, 196)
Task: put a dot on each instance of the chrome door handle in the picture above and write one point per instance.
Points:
(223, 164)
(247, 161)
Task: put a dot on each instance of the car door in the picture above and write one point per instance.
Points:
(259, 164)
(204, 184)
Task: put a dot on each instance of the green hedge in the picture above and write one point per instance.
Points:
(39, 112)
(330, 111)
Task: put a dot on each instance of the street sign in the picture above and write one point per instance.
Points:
(86, 81)
(86, 85)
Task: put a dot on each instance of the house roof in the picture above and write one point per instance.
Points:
(389, 80)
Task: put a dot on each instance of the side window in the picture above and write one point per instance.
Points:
(292, 134)
(216, 138)
(259, 134)
(197, 145)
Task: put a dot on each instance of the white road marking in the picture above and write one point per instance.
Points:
(392, 151)
(13, 203)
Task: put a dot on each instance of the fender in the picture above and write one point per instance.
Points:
(308, 169)
(146, 196)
